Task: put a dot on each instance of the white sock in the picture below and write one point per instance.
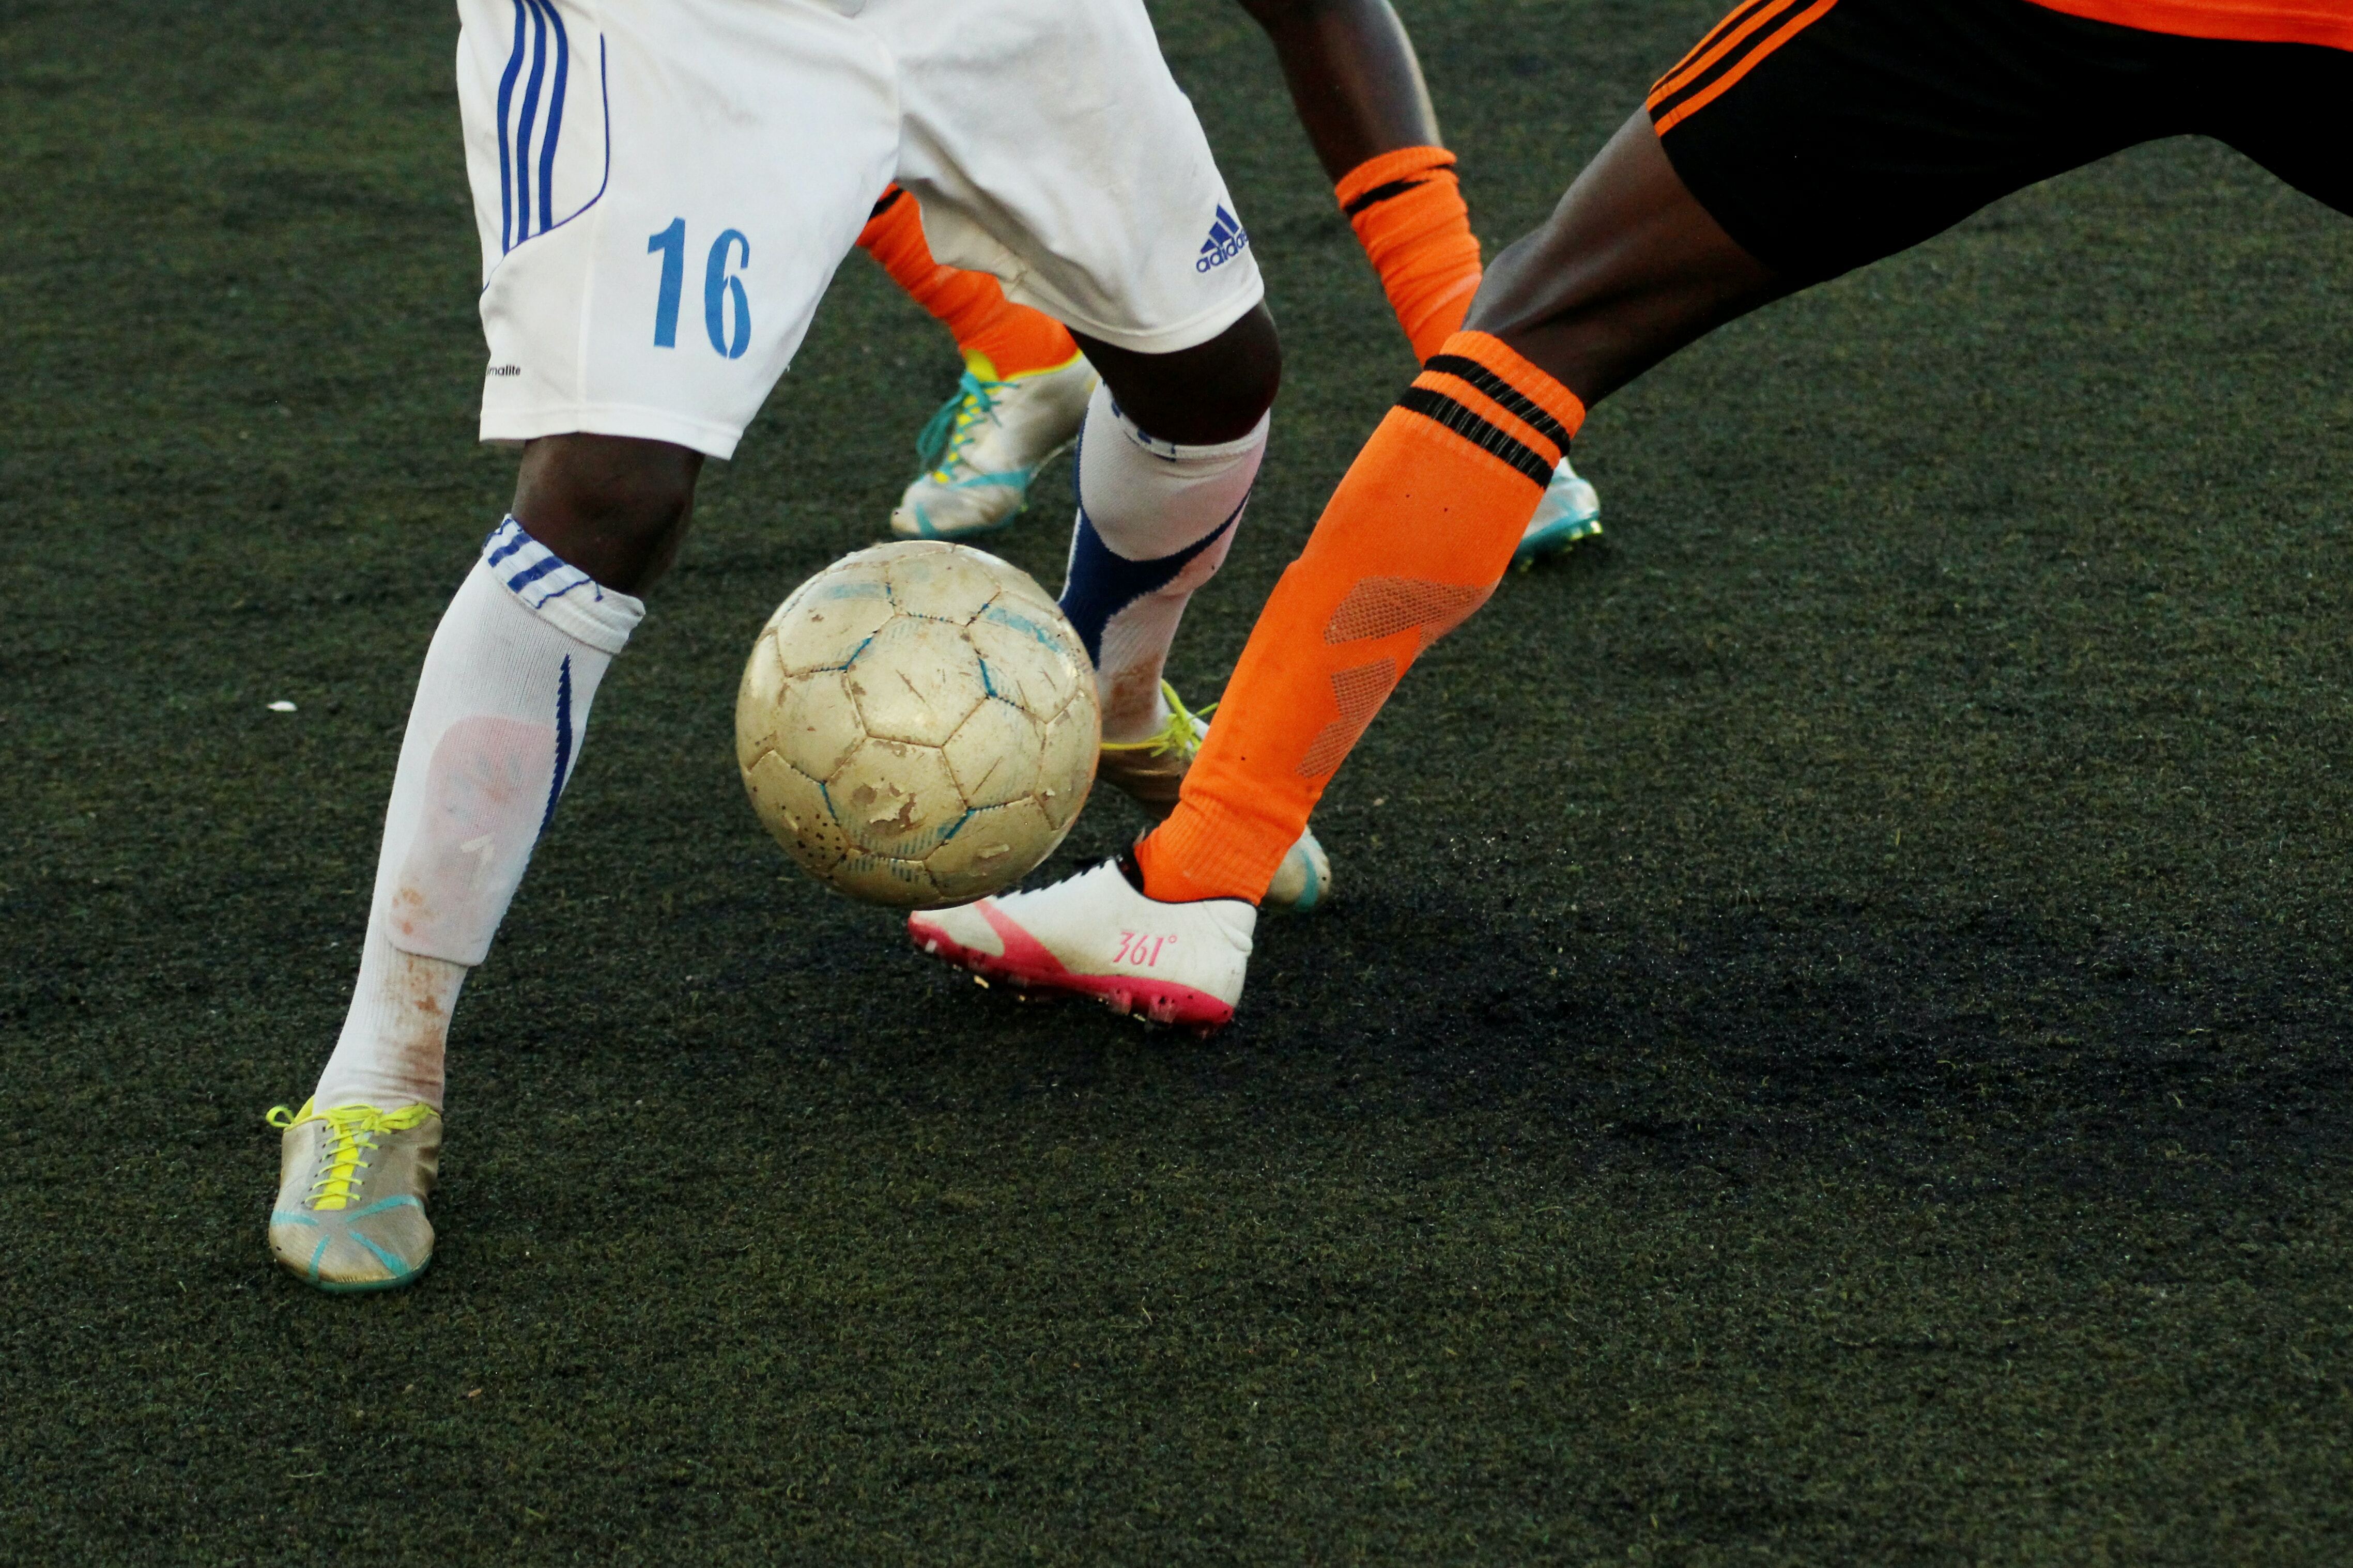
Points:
(1155, 521)
(501, 707)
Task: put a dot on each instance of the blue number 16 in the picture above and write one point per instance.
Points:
(719, 288)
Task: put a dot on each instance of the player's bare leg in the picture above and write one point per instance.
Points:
(616, 507)
(1629, 268)
(1357, 87)
(1213, 391)
(500, 711)
(1354, 78)
(1172, 447)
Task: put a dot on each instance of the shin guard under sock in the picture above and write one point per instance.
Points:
(1154, 523)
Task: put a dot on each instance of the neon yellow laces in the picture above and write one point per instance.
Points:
(947, 434)
(1181, 736)
(352, 1132)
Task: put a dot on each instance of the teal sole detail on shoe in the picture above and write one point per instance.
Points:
(1308, 901)
(364, 1287)
(380, 1255)
(923, 528)
(1556, 537)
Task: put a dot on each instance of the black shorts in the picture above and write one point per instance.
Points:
(1825, 134)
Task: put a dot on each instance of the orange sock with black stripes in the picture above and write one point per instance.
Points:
(1004, 338)
(1407, 209)
(1414, 539)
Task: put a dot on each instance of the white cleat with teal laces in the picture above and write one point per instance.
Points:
(1097, 935)
(983, 446)
(1570, 511)
(351, 1185)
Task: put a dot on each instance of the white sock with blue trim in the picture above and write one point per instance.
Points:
(501, 707)
(1155, 521)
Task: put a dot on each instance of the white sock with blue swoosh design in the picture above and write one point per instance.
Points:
(1154, 523)
(501, 707)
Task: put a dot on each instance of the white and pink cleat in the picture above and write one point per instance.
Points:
(1097, 934)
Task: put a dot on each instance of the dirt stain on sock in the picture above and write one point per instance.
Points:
(423, 992)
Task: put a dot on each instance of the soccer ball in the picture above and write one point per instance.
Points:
(917, 724)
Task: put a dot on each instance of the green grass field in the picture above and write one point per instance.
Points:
(1832, 1046)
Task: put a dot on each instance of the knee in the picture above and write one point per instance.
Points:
(613, 506)
(1210, 392)
(1238, 373)
(1520, 288)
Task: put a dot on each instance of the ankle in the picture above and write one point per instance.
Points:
(1127, 721)
(1160, 862)
(396, 1032)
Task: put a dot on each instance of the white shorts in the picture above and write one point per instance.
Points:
(665, 187)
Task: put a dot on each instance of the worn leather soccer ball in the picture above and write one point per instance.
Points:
(917, 724)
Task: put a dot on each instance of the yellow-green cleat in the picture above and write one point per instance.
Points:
(1151, 772)
(351, 1185)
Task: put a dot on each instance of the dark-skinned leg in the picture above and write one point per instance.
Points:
(614, 506)
(500, 711)
(1353, 76)
(1210, 392)
(1170, 450)
(1359, 93)
(1628, 268)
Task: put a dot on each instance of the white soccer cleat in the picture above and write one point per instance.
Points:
(986, 444)
(1097, 934)
(1570, 511)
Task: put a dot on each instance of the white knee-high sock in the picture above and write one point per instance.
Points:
(501, 707)
(1154, 523)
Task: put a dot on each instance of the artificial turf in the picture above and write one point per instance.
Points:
(1831, 1045)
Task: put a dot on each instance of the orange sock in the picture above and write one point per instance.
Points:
(1414, 539)
(1407, 209)
(1006, 338)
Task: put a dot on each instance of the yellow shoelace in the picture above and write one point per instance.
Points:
(1181, 735)
(351, 1134)
(942, 443)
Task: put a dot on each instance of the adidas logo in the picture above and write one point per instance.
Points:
(1228, 238)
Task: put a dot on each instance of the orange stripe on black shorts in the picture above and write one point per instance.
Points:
(1824, 134)
(1736, 46)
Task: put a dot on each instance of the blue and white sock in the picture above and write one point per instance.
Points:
(501, 707)
(1154, 523)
